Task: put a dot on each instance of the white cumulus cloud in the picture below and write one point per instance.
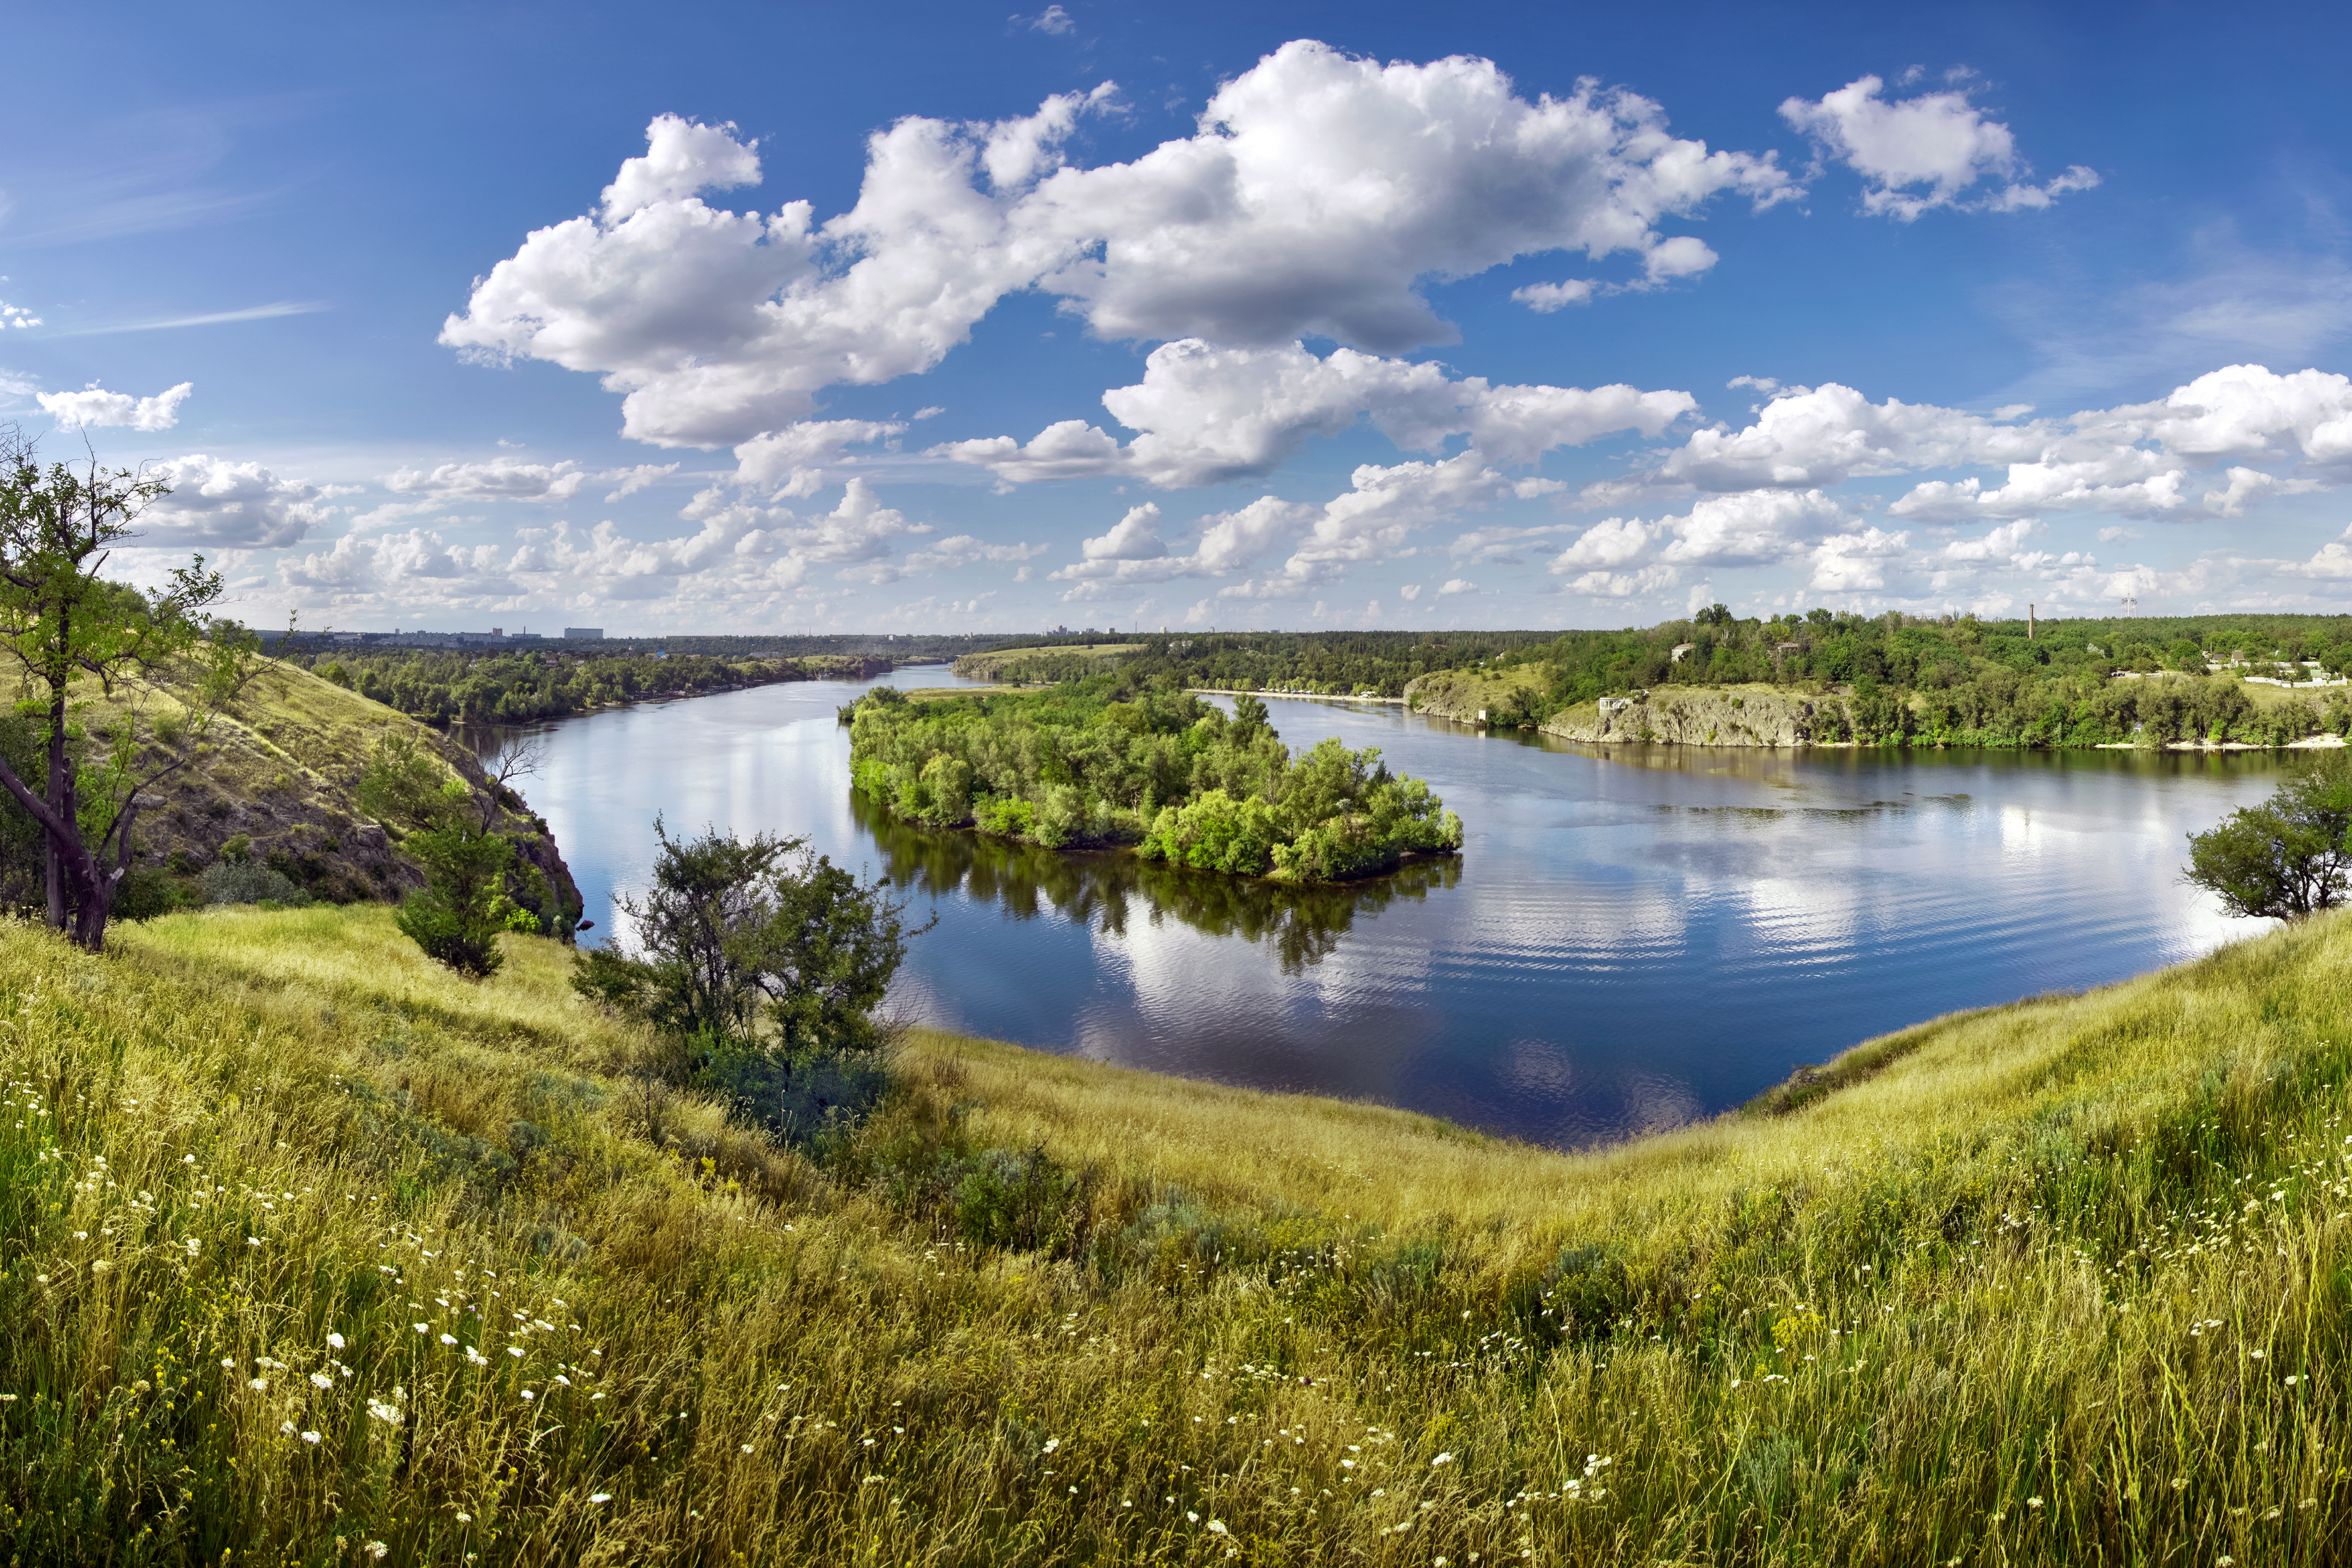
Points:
(1208, 414)
(216, 503)
(94, 406)
(510, 480)
(501, 478)
(741, 557)
(799, 459)
(1930, 151)
(1317, 195)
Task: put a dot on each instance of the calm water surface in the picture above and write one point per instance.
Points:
(1628, 940)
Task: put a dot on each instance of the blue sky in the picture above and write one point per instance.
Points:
(776, 318)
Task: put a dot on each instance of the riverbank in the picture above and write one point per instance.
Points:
(2000, 1294)
(1763, 715)
(1302, 696)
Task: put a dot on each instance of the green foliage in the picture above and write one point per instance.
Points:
(64, 624)
(754, 945)
(514, 688)
(1111, 759)
(1952, 681)
(2288, 857)
(804, 1100)
(1302, 923)
(405, 785)
(466, 903)
(240, 881)
(148, 892)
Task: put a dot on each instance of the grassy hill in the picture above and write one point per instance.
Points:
(312, 1252)
(279, 770)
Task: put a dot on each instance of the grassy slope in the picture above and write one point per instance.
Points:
(279, 768)
(2065, 1282)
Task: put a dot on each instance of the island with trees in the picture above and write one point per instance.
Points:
(1114, 761)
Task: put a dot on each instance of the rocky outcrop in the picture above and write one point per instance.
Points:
(1469, 696)
(1754, 715)
(1707, 716)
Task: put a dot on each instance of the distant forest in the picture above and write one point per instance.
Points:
(1895, 678)
(513, 688)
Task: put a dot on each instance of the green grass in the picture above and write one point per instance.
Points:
(2065, 1282)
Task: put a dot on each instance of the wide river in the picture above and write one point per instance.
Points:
(1630, 939)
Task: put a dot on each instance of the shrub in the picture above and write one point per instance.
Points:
(799, 1099)
(147, 892)
(241, 882)
(1022, 1203)
(456, 917)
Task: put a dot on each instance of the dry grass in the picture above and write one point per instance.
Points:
(2062, 1282)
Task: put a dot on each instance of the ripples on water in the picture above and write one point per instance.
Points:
(1629, 939)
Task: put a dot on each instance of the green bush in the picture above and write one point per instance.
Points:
(243, 881)
(456, 917)
(147, 892)
(800, 1098)
(1021, 1203)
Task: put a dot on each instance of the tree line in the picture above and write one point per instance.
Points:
(518, 688)
(1887, 679)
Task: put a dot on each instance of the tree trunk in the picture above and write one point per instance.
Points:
(70, 861)
(60, 799)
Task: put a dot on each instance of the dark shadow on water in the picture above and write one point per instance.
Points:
(1303, 925)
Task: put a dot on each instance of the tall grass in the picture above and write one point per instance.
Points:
(313, 1253)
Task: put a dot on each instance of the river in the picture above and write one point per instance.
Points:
(1630, 939)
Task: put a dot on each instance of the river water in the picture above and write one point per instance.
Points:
(1630, 939)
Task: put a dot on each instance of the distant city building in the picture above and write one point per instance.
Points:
(584, 634)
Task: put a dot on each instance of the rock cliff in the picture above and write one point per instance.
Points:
(1754, 715)
(1709, 716)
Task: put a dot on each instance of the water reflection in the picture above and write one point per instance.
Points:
(1301, 925)
(1632, 936)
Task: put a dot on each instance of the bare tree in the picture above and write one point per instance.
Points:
(516, 757)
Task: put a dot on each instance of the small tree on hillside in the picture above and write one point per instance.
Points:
(63, 624)
(2288, 857)
(738, 934)
(472, 874)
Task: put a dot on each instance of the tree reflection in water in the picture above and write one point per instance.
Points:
(1302, 924)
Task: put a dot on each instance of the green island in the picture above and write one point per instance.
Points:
(1113, 760)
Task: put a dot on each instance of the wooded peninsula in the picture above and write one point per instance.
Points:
(1821, 677)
